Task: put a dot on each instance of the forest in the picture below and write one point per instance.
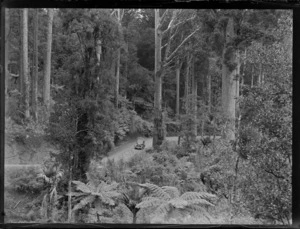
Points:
(148, 116)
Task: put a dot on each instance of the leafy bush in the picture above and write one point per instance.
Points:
(24, 179)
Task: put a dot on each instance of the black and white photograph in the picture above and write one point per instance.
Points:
(148, 116)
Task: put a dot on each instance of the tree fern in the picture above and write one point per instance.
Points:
(166, 199)
(156, 191)
(194, 196)
(88, 193)
(84, 201)
(172, 191)
(149, 202)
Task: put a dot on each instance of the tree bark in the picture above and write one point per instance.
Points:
(117, 79)
(25, 62)
(34, 81)
(178, 67)
(21, 73)
(229, 87)
(47, 76)
(252, 74)
(7, 74)
(159, 129)
(194, 101)
(118, 63)
(209, 91)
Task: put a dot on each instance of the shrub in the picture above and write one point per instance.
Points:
(24, 179)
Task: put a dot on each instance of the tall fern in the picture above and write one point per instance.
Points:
(166, 199)
(90, 194)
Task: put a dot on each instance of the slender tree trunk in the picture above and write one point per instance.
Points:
(134, 217)
(238, 73)
(126, 70)
(186, 85)
(117, 78)
(252, 74)
(229, 87)
(21, 73)
(69, 188)
(194, 101)
(35, 65)
(178, 66)
(118, 63)
(159, 129)
(209, 91)
(47, 76)
(7, 74)
(260, 74)
(25, 63)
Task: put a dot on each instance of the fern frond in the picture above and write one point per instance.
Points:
(197, 195)
(179, 203)
(199, 202)
(163, 209)
(76, 194)
(199, 209)
(82, 187)
(172, 191)
(107, 200)
(149, 202)
(84, 202)
(156, 191)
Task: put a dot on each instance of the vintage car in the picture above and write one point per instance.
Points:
(140, 144)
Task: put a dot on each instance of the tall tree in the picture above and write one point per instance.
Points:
(34, 80)
(48, 61)
(118, 60)
(25, 62)
(7, 32)
(229, 80)
(158, 133)
(178, 68)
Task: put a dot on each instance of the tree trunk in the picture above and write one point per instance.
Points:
(209, 91)
(178, 66)
(25, 63)
(238, 73)
(134, 217)
(7, 75)
(159, 129)
(118, 63)
(117, 78)
(21, 73)
(252, 74)
(229, 87)
(34, 81)
(194, 101)
(187, 84)
(47, 76)
(260, 74)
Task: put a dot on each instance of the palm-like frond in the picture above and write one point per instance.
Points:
(150, 202)
(199, 202)
(191, 196)
(82, 187)
(179, 203)
(172, 191)
(156, 191)
(86, 200)
(163, 209)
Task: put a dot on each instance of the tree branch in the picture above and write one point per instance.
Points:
(182, 43)
(164, 14)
